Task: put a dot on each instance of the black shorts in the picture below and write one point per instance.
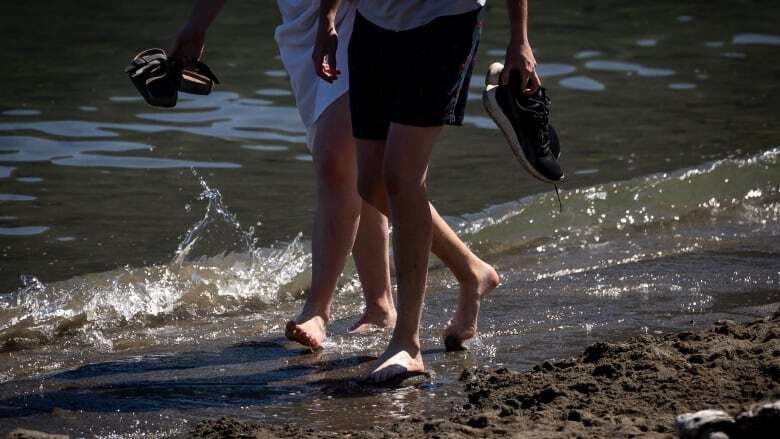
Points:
(417, 77)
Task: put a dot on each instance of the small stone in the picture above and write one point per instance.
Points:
(607, 370)
(478, 422)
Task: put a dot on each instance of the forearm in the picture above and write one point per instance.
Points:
(204, 12)
(328, 9)
(518, 20)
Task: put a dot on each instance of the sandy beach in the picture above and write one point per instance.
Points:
(626, 389)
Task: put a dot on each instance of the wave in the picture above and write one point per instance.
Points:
(219, 270)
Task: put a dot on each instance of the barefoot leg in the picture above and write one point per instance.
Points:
(373, 266)
(404, 169)
(335, 222)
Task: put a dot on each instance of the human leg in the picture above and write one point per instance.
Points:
(475, 276)
(404, 167)
(335, 222)
(370, 253)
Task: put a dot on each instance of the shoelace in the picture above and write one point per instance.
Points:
(540, 115)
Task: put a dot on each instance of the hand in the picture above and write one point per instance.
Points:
(324, 53)
(520, 57)
(188, 45)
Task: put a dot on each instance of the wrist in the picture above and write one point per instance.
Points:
(519, 40)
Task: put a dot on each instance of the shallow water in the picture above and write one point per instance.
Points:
(138, 295)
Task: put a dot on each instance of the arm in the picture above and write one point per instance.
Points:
(324, 52)
(519, 55)
(191, 37)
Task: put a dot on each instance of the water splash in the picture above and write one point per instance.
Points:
(217, 269)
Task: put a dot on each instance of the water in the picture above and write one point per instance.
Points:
(150, 258)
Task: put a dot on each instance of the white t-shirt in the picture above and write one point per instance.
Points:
(398, 15)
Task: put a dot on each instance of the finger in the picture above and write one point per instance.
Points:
(503, 78)
(319, 65)
(525, 79)
(533, 83)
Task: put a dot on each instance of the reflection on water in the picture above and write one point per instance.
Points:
(618, 66)
(772, 40)
(5, 171)
(646, 42)
(22, 231)
(547, 70)
(22, 112)
(75, 153)
(29, 179)
(682, 86)
(581, 83)
(16, 197)
(587, 54)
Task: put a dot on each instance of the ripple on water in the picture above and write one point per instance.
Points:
(273, 92)
(554, 69)
(733, 55)
(304, 157)
(713, 44)
(121, 99)
(22, 231)
(581, 83)
(74, 153)
(646, 42)
(127, 162)
(587, 54)
(66, 238)
(684, 18)
(16, 197)
(682, 86)
(6, 171)
(29, 179)
(586, 171)
(619, 66)
(21, 112)
(763, 39)
(87, 108)
(266, 148)
(276, 73)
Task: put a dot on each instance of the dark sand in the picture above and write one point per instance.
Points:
(634, 388)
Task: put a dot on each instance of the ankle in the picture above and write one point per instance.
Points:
(409, 344)
(379, 307)
(308, 314)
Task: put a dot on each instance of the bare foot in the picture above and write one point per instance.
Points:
(308, 332)
(374, 318)
(463, 326)
(397, 362)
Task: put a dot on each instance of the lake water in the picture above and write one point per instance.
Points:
(149, 258)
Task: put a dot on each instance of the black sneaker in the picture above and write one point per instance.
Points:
(524, 120)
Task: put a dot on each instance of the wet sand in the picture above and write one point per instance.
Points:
(631, 388)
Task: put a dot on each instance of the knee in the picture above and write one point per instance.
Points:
(334, 173)
(396, 182)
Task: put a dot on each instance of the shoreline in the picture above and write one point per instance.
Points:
(631, 388)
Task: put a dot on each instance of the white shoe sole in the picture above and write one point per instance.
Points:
(495, 112)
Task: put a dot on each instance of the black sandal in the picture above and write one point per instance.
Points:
(159, 79)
